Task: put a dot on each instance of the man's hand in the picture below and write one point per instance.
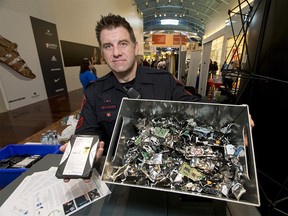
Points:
(252, 124)
(100, 150)
(99, 153)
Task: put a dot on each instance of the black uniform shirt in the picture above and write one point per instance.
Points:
(102, 99)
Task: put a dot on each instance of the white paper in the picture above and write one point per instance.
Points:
(43, 194)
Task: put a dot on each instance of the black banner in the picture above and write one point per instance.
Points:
(73, 53)
(47, 43)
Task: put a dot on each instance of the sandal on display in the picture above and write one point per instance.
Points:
(10, 57)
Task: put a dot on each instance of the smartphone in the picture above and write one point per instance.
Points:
(78, 157)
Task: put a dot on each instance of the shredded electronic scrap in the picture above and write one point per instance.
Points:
(183, 155)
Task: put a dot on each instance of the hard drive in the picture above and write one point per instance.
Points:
(78, 157)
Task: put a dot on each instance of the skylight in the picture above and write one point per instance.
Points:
(169, 22)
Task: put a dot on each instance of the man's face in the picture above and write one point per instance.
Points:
(118, 50)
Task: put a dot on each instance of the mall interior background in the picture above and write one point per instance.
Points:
(75, 28)
(265, 88)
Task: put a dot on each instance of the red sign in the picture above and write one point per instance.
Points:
(158, 39)
(176, 39)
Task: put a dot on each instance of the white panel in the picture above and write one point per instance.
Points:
(194, 64)
(204, 68)
(19, 90)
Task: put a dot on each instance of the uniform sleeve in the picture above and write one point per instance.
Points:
(179, 93)
(88, 122)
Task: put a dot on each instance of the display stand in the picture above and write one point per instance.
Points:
(248, 74)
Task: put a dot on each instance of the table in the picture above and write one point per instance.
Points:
(211, 83)
(221, 99)
(55, 126)
(132, 201)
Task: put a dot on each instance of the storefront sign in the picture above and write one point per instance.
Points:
(176, 39)
(158, 39)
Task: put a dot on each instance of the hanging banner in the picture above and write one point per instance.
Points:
(47, 43)
(73, 53)
(158, 39)
(176, 39)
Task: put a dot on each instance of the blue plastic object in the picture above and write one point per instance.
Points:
(9, 174)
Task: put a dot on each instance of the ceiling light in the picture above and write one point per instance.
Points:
(228, 22)
(169, 22)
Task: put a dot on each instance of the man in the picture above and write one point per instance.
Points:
(127, 79)
(161, 64)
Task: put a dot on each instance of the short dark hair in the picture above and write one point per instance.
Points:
(85, 65)
(113, 21)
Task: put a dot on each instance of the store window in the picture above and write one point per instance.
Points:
(215, 57)
(234, 50)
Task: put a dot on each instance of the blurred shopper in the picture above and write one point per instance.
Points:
(145, 63)
(94, 69)
(161, 64)
(86, 75)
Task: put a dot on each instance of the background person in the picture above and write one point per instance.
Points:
(161, 64)
(86, 75)
(146, 63)
(94, 69)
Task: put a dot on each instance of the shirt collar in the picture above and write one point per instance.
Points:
(140, 79)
